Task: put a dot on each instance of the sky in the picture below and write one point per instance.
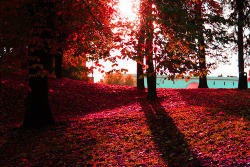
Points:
(129, 13)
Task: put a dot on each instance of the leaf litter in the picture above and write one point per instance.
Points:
(110, 125)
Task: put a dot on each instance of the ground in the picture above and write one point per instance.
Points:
(108, 125)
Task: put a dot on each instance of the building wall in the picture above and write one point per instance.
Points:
(213, 82)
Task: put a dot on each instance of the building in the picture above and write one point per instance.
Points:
(193, 82)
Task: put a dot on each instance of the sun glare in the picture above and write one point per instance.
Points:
(128, 9)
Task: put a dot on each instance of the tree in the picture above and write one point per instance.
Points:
(201, 47)
(44, 22)
(58, 63)
(240, 6)
(150, 71)
(189, 31)
(176, 54)
(140, 51)
(239, 19)
(77, 71)
(38, 112)
(144, 47)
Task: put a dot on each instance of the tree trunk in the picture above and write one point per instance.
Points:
(140, 77)
(151, 79)
(1, 56)
(202, 63)
(38, 112)
(242, 78)
(201, 48)
(150, 71)
(58, 63)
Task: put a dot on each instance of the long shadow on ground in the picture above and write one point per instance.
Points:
(70, 99)
(51, 146)
(169, 140)
(232, 101)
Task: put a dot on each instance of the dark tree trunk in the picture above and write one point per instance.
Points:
(201, 48)
(1, 56)
(203, 82)
(140, 77)
(202, 63)
(242, 77)
(151, 79)
(0, 79)
(151, 75)
(58, 63)
(38, 113)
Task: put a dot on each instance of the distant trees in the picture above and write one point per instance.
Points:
(118, 79)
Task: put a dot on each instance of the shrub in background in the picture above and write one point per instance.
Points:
(77, 71)
(118, 79)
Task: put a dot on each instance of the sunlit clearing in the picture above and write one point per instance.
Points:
(128, 9)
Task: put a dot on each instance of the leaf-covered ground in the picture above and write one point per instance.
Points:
(103, 125)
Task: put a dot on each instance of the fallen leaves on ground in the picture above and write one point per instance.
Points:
(108, 125)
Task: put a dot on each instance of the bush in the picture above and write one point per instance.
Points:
(118, 79)
(78, 71)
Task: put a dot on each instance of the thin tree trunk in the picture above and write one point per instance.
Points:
(140, 77)
(242, 78)
(0, 80)
(1, 57)
(58, 63)
(150, 71)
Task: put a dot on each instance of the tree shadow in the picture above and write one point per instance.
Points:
(56, 145)
(169, 140)
(71, 99)
(232, 101)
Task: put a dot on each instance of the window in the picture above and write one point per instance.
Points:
(162, 81)
(233, 83)
(214, 82)
(224, 83)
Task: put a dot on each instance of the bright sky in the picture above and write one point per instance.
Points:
(128, 12)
